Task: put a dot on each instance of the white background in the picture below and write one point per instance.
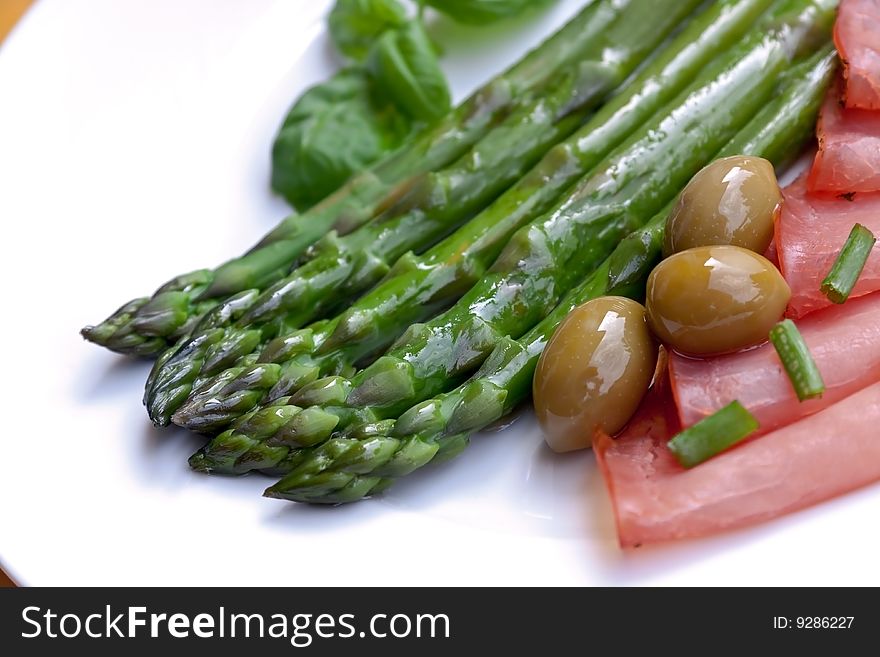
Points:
(134, 145)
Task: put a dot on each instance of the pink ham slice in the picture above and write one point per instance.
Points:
(857, 36)
(811, 231)
(849, 149)
(843, 340)
(814, 459)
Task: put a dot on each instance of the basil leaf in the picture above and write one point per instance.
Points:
(405, 66)
(482, 11)
(335, 129)
(356, 24)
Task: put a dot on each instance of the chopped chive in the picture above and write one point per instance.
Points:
(848, 266)
(713, 435)
(796, 359)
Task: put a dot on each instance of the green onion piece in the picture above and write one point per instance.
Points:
(713, 435)
(841, 280)
(797, 361)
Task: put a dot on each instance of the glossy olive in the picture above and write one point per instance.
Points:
(734, 201)
(594, 372)
(715, 299)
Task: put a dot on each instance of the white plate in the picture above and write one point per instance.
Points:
(134, 141)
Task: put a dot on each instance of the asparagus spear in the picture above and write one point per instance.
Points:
(434, 206)
(549, 255)
(422, 286)
(346, 469)
(149, 325)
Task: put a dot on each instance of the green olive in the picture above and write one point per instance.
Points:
(734, 201)
(594, 372)
(715, 299)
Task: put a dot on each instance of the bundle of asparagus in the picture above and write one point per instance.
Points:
(421, 286)
(347, 468)
(472, 243)
(543, 260)
(433, 205)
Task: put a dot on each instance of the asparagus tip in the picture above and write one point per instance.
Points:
(311, 426)
(331, 390)
(199, 463)
(271, 492)
(386, 381)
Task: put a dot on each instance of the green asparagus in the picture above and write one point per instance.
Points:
(422, 286)
(150, 325)
(346, 469)
(431, 208)
(549, 255)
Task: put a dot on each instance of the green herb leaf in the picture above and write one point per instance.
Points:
(335, 129)
(405, 66)
(848, 266)
(797, 360)
(713, 435)
(356, 24)
(480, 12)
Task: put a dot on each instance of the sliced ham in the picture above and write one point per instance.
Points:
(857, 37)
(848, 159)
(817, 458)
(843, 340)
(811, 231)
